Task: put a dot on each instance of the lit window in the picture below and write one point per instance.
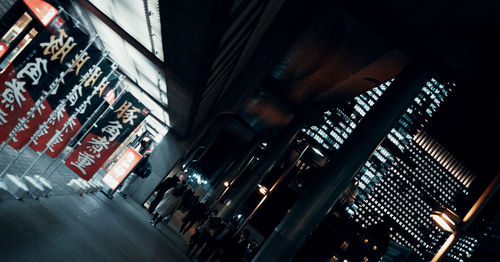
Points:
(11, 36)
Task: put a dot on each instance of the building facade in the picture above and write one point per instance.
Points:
(409, 175)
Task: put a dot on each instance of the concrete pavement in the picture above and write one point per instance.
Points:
(69, 227)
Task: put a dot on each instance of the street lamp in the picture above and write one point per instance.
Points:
(451, 222)
(445, 219)
(267, 192)
(262, 190)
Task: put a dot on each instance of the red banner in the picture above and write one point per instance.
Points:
(35, 71)
(59, 145)
(44, 136)
(23, 136)
(90, 155)
(15, 102)
(82, 101)
(106, 136)
(122, 168)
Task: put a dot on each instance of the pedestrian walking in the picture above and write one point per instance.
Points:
(194, 214)
(161, 189)
(167, 205)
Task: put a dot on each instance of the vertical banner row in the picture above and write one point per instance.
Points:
(81, 100)
(40, 67)
(104, 138)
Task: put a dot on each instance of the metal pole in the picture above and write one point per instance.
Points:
(66, 124)
(85, 125)
(442, 250)
(233, 174)
(45, 123)
(247, 185)
(40, 100)
(84, 135)
(233, 180)
(283, 175)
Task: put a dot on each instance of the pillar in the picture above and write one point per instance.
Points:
(246, 185)
(232, 172)
(319, 197)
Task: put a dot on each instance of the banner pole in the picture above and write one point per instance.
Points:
(87, 123)
(84, 135)
(45, 123)
(54, 138)
(40, 100)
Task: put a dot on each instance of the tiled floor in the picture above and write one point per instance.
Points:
(69, 227)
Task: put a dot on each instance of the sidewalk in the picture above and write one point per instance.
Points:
(69, 227)
(84, 228)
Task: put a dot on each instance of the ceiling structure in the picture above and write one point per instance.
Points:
(267, 61)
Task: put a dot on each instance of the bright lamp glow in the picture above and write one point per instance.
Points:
(441, 222)
(262, 190)
(445, 219)
(317, 151)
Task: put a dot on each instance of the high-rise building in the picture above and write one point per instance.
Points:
(408, 176)
(398, 253)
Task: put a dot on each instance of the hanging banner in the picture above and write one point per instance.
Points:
(110, 132)
(82, 99)
(84, 112)
(121, 168)
(82, 61)
(39, 68)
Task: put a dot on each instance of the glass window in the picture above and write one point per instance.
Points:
(11, 36)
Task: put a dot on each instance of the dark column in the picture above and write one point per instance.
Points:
(233, 170)
(206, 138)
(217, 179)
(246, 185)
(319, 197)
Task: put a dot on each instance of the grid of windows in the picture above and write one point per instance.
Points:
(409, 174)
(341, 121)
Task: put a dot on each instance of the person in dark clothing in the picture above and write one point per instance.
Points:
(194, 214)
(204, 235)
(187, 196)
(162, 188)
(222, 238)
(145, 144)
(142, 170)
(236, 247)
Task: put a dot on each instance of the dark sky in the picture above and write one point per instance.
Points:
(468, 126)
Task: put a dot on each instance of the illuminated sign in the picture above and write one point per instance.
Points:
(121, 168)
(42, 10)
(110, 96)
(3, 48)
